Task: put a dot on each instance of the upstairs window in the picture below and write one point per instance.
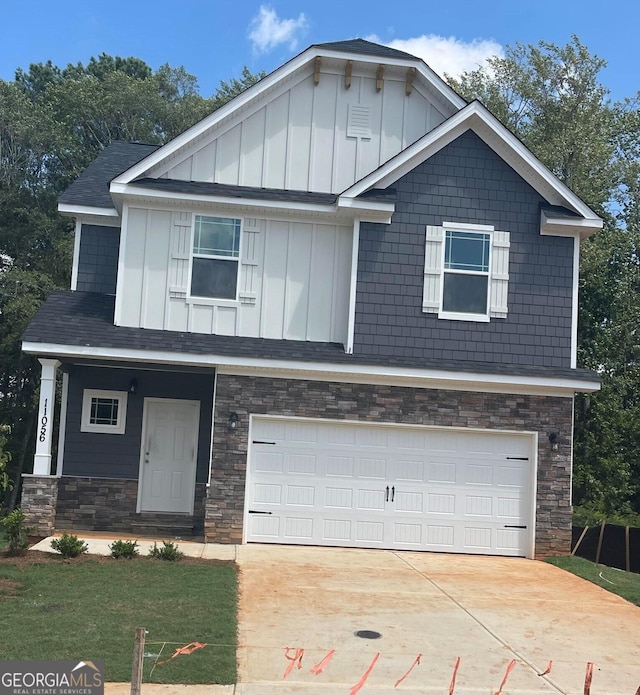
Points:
(216, 253)
(466, 273)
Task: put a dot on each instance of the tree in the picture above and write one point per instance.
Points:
(53, 123)
(552, 99)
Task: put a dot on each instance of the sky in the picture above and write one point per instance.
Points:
(214, 39)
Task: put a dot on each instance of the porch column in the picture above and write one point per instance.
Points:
(44, 428)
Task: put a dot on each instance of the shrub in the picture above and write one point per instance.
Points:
(16, 532)
(124, 549)
(169, 551)
(69, 545)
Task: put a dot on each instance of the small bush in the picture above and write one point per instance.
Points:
(169, 551)
(124, 549)
(69, 545)
(16, 532)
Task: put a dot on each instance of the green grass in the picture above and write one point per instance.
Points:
(625, 584)
(89, 608)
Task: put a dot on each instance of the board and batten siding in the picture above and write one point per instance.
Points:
(299, 138)
(294, 279)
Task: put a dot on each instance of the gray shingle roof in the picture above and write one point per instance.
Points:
(86, 319)
(365, 48)
(221, 189)
(92, 186)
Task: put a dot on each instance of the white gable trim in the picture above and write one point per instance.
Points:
(326, 371)
(237, 106)
(477, 118)
(566, 226)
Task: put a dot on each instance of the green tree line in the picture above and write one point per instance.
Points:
(54, 121)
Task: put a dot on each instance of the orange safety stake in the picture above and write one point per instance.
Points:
(319, 668)
(588, 676)
(510, 668)
(455, 675)
(187, 649)
(296, 659)
(413, 665)
(547, 670)
(355, 688)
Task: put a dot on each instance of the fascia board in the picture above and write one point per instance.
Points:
(322, 371)
(86, 210)
(477, 118)
(567, 226)
(131, 193)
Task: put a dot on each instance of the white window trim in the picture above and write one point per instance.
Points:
(87, 426)
(460, 315)
(222, 301)
(498, 274)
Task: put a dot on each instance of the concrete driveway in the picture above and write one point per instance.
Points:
(487, 611)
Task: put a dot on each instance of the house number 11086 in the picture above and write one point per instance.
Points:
(43, 422)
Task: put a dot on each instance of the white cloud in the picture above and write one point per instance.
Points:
(447, 54)
(267, 30)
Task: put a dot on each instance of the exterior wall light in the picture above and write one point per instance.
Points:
(234, 421)
(553, 441)
(133, 386)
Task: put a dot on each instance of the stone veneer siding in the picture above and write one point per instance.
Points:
(388, 404)
(109, 504)
(38, 502)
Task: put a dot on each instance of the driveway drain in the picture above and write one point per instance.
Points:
(368, 634)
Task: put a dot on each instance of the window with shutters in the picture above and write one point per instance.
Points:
(215, 257)
(466, 272)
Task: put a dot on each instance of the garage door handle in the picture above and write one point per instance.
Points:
(258, 441)
(510, 526)
(386, 497)
(254, 511)
(393, 492)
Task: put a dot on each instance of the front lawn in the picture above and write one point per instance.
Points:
(625, 584)
(89, 608)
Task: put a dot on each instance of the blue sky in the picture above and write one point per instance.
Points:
(214, 39)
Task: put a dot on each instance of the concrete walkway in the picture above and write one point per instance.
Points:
(490, 612)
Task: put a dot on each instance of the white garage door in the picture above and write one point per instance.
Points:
(357, 485)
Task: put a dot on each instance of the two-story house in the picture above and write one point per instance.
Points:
(341, 310)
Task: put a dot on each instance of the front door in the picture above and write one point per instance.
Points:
(168, 456)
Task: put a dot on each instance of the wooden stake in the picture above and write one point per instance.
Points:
(582, 535)
(138, 661)
(604, 523)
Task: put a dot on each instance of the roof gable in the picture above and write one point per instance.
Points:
(481, 121)
(357, 51)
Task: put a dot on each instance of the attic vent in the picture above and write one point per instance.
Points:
(358, 122)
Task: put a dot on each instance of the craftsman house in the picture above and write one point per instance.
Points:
(341, 310)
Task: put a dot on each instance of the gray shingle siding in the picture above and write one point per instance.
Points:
(465, 182)
(118, 455)
(98, 260)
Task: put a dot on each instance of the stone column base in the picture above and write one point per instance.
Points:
(39, 500)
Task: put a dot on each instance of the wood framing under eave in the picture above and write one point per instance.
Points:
(567, 226)
(317, 64)
(348, 70)
(408, 87)
(379, 78)
(477, 118)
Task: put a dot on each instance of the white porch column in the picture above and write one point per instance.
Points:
(44, 428)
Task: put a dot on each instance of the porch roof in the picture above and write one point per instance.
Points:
(85, 319)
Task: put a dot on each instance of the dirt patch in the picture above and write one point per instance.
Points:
(8, 588)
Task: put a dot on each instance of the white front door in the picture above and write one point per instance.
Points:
(408, 488)
(168, 456)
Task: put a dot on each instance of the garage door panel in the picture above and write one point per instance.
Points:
(357, 485)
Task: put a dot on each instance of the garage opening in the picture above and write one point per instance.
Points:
(353, 484)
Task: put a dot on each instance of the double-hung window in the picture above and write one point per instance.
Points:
(466, 272)
(215, 259)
